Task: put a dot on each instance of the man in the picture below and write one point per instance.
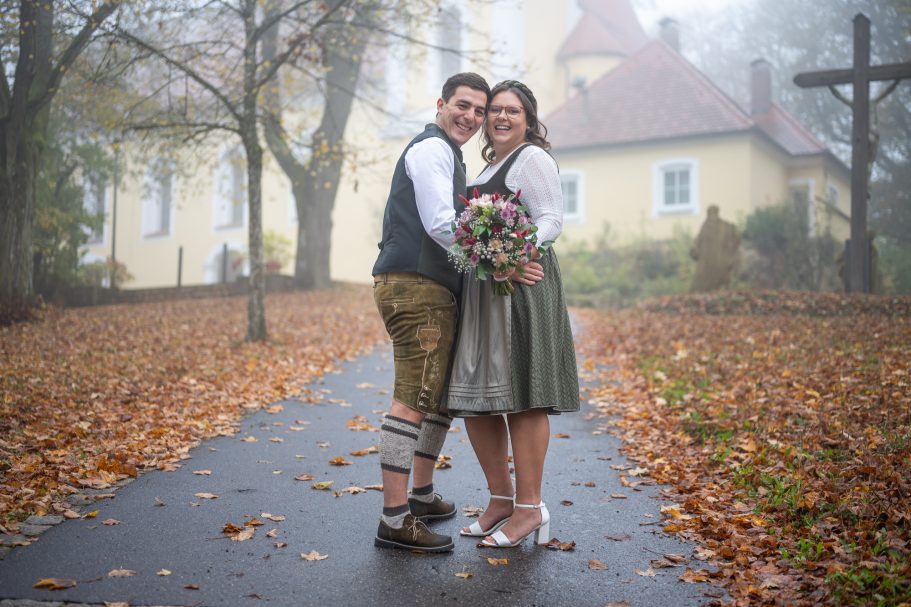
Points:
(416, 290)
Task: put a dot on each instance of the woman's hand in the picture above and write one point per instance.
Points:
(502, 276)
(530, 273)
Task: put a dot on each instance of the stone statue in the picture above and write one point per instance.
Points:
(715, 252)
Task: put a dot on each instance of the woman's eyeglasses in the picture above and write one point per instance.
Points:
(511, 111)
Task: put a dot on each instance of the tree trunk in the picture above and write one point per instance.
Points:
(315, 182)
(24, 110)
(256, 306)
(17, 207)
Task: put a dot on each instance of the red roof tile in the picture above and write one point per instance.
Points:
(788, 133)
(607, 27)
(657, 94)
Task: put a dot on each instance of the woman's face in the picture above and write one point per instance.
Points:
(506, 121)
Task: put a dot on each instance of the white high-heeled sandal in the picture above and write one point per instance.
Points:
(474, 529)
(541, 531)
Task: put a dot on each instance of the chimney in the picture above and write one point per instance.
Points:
(760, 87)
(670, 33)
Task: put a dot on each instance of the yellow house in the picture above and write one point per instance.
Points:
(649, 142)
(645, 142)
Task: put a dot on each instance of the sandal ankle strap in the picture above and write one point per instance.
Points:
(533, 506)
(510, 498)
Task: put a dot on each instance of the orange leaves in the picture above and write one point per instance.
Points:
(339, 461)
(239, 534)
(556, 544)
(144, 382)
(359, 424)
(53, 583)
(771, 416)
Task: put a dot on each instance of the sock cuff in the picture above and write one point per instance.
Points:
(395, 510)
(438, 420)
(425, 490)
(401, 420)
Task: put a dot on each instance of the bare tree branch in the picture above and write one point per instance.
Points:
(282, 58)
(273, 18)
(72, 51)
(216, 92)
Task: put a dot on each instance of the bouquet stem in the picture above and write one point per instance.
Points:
(503, 287)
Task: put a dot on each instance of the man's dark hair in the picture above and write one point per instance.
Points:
(469, 79)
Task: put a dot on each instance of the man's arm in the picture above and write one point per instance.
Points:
(430, 164)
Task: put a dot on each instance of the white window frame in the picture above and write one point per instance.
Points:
(88, 258)
(579, 178)
(810, 184)
(508, 56)
(292, 205)
(212, 269)
(435, 56)
(659, 169)
(219, 195)
(89, 196)
(149, 230)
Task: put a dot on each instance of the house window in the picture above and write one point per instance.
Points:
(571, 185)
(230, 190)
(93, 201)
(675, 187)
(450, 39)
(832, 195)
(507, 59)
(158, 199)
(444, 56)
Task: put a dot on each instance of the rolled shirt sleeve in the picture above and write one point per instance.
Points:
(430, 164)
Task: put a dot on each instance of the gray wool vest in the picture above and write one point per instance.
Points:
(406, 247)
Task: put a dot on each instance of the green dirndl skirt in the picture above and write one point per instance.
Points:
(514, 353)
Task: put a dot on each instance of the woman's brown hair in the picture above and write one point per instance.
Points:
(536, 133)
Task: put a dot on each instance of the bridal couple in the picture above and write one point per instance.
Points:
(503, 363)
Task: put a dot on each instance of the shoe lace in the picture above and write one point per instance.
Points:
(415, 527)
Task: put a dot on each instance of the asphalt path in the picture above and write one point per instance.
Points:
(164, 525)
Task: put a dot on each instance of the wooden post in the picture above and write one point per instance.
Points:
(858, 273)
(860, 154)
(224, 263)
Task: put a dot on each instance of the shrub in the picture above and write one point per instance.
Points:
(596, 274)
(784, 255)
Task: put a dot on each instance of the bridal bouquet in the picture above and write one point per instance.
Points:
(494, 236)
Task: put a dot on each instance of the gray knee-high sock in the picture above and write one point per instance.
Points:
(429, 444)
(397, 440)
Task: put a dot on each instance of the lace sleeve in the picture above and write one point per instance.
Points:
(535, 173)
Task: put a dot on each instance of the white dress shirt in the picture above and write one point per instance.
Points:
(430, 164)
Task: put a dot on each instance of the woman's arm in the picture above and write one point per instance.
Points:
(535, 173)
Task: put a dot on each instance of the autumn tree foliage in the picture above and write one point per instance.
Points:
(40, 42)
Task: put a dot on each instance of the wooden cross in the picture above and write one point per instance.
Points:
(857, 262)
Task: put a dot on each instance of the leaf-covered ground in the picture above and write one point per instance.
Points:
(783, 423)
(91, 396)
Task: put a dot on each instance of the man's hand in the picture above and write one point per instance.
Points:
(530, 273)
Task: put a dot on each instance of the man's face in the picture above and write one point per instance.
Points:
(462, 116)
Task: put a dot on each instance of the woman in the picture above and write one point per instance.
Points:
(514, 362)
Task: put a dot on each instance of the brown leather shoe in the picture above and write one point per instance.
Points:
(437, 510)
(413, 535)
